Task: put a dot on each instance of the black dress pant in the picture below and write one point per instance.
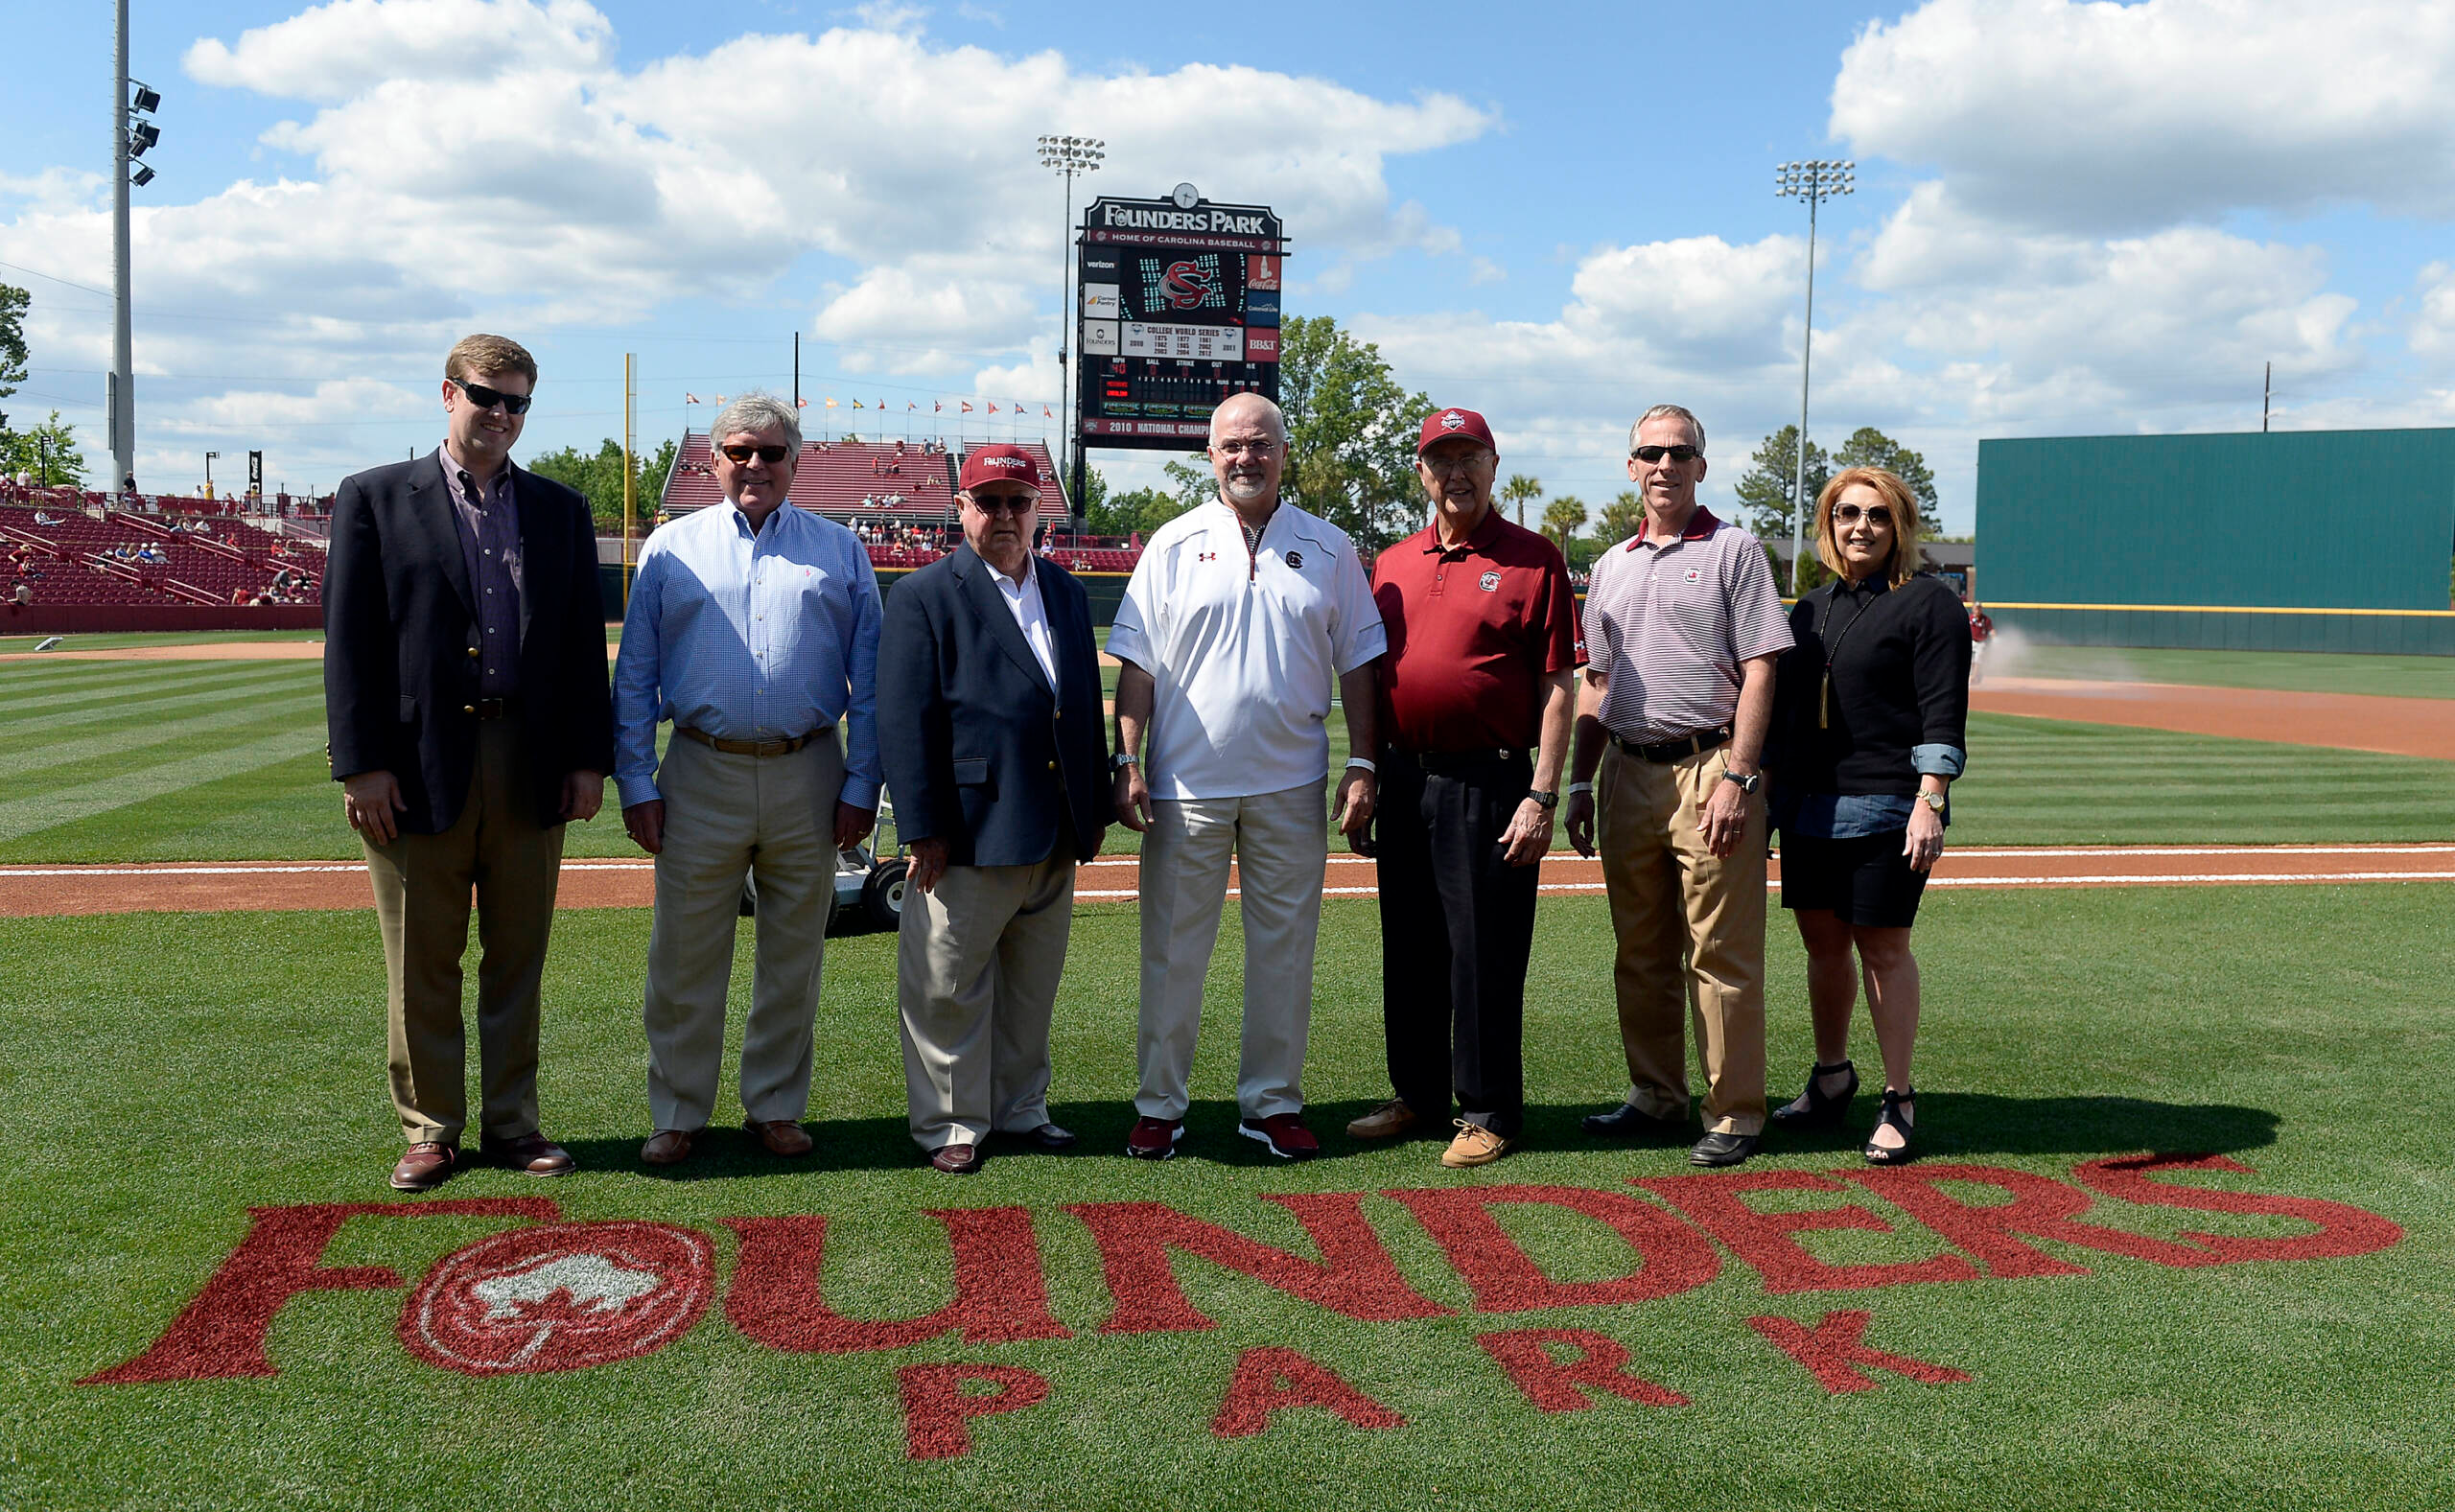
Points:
(1457, 925)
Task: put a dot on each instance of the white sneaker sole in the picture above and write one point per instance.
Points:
(1175, 1135)
(1263, 1138)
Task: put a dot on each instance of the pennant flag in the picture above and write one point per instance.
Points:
(1044, 410)
(831, 404)
(938, 408)
(690, 399)
(967, 405)
(912, 406)
(993, 410)
(856, 404)
(881, 403)
(801, 403)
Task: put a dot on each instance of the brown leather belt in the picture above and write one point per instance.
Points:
(1663, 753)
(753, 748)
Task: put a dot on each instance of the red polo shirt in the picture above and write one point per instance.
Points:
(1476, 630)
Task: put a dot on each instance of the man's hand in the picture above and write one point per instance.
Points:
(1725, 818)
(583, 795)
(1528, 839)
(928, 864)
(368, 801)
(1355, 802)
(645, 824)
(1925, 844)
(853, 826)
(1578, 817)
(1133, 798)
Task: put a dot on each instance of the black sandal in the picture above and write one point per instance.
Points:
(1821, 1111)
(1881, 1155)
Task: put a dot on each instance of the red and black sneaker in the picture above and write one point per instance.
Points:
(1284, 1133)
(1154, 1138)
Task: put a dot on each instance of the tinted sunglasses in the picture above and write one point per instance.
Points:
(1004, 503)
(769, 455)
(485, 398)
(1677, 454)
(1877, 515)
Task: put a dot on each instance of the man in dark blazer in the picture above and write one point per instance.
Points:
(465, 693)
(996, 761)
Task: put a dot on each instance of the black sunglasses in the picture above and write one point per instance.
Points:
(1004, 503)
(769, 455)
(1677, 454)
(1876, 514)
(485, 398)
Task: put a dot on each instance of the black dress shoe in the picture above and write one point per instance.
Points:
(1821, 1111)
(1627, 1122)
(1722, 1150)
(1047, 1136)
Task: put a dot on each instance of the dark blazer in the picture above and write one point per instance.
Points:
(401, 640)
(979, 752)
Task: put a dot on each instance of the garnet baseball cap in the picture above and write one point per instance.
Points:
(1000, 464)
(1444, 424)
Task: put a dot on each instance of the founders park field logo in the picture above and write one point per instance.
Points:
(551, 1295)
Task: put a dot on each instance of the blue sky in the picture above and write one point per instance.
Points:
(2071, 219)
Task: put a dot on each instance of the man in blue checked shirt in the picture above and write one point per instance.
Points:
(753, 627)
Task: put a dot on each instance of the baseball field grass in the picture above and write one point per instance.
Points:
(2291, 672)
(222, 761)
(167, 1074)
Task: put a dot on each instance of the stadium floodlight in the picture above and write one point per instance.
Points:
(148, 99)
(1069, 155)
(1813, 180)
(142, 135)
(142, 177)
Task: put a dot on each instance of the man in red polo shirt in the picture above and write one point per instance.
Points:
(1475, 713)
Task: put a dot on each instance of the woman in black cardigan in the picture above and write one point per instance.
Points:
(1870, 723)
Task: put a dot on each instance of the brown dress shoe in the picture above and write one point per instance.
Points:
(530, 1155)
(1387, 1121)
(782, 1136)
(426, 1165)
(957, 1160)
(667, 1147)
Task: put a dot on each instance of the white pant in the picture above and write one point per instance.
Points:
(1280, 842)
(977, 965)
(773, 817)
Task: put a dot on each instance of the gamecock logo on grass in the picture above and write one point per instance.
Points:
(563, 1296)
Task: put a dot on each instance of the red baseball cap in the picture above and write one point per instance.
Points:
(1441, 425)
(999, 463)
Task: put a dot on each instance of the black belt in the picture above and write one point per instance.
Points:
(1663, 753)
(753, 748)
(1446, 762)
(493, 708)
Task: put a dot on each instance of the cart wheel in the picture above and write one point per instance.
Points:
(882, 895)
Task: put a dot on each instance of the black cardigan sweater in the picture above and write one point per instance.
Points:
(1900, 667)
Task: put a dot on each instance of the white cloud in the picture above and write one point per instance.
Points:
(2124, 117)
(337, 50)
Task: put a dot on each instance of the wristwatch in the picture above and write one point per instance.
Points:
(1933, 800)
(1123, 759)
(1549, 801)
(1747, 784)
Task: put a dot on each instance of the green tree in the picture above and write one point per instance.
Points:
(1350, 433)
(12, 338)
(1562, 519)
(1521, 490)
(1621, 518)
(1143, 509)
(47, 452)
(598, 478)
(1766, 489)
(1869, 447)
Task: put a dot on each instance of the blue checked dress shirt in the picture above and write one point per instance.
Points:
(750, 635)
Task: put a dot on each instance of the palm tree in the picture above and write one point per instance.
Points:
(1519, 489)
(1624, 517)
(1565, 518)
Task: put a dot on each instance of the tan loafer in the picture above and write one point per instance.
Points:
(782, 1136)
(1387, 1121)
(1474, 1145)
(667, 1147)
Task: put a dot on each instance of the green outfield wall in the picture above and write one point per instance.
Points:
(2294, 541)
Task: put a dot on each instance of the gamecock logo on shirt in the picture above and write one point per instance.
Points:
(561, 1296)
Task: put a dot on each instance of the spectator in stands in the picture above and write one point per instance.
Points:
(238, 597)
(1869, 733)
(1232, 687)
(463, 746)
(21, 596)
(1683, 626)
(999, 796)
(755, 629)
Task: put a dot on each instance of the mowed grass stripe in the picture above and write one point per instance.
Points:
(146, 734)
(75, 705)
(24, 816)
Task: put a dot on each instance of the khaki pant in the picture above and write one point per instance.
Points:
(1281, 843)
(1690, 927)
(977, 965)
(497, 851)
(774, 818)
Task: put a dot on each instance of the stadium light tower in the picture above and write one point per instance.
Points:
(1069, 155)
(1814, 181)
(130, 139)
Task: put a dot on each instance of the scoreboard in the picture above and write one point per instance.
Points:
(1178, 309)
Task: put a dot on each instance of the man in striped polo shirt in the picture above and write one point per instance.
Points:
(1682, 628)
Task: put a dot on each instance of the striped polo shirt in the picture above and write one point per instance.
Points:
(1667, 625)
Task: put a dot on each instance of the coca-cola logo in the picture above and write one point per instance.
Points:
(561, 1296)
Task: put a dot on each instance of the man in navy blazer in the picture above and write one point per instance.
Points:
(990, 729)
(466, 700)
